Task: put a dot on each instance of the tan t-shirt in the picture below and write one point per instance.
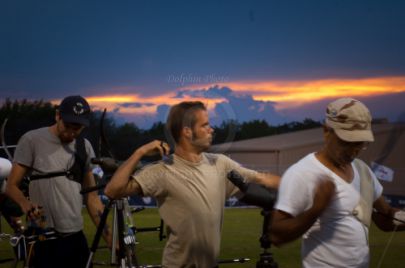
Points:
(191, 198)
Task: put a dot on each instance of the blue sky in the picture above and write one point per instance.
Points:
(279, 60)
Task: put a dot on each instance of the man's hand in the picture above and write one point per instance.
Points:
(286, 228)
(33, 211)
(155, 147)
(119, 184)
(324, 193)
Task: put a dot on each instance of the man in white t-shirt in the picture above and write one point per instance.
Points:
(328, 197)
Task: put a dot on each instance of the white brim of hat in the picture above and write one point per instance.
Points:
(365, 135)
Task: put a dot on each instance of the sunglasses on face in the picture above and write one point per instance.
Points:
(352, 145)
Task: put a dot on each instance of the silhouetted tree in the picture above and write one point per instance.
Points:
(123, 139)
(23, 116)
(226, 132)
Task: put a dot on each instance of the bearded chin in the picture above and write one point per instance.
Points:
(66, 139)
(201, 143)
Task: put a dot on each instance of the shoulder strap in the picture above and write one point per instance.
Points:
(76, 171)
(78, 168)
(364, 208)
(48, 175)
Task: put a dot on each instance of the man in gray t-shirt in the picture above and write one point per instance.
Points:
(190, 187)
(57, 149)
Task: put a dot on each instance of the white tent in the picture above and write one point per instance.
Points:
(276, 153)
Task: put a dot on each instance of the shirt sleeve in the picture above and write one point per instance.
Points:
(247, 174)
(90, 154)
(151, 179)
(294, 195)
(24, 152)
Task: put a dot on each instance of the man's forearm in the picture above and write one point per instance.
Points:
(17, 196)
(385, 220)
(267, 179)
(12, 188)
(383, 216)
(119, 183)
(289, 229)
(96, 209)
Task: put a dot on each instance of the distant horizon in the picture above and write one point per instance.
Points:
(229, 112)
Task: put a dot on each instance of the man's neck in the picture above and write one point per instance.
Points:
(53, 129)
(188, 155)
(345, 171)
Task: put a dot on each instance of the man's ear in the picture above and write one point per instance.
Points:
(327, 131)
(57, 116)
(187, 132)
(325, 128)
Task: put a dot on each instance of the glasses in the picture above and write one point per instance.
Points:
(346, 145)
(352, 145)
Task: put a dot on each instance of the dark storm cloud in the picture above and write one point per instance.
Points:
(210, 93)
(51, 49)
(162, 112)
(54, 48)
(240, 107)
(136, 104)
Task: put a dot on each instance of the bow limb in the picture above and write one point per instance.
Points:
(103, 137)
(3, 140)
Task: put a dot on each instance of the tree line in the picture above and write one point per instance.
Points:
(123, 139)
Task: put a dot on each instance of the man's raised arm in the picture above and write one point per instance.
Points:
(121, 184)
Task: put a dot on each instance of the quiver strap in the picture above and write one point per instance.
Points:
(76, 172)
(364, 208)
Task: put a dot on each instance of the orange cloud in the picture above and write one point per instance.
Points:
(284, 93)
(288, 93)
(115, 102)
(292, 93)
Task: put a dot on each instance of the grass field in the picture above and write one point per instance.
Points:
(240, 238)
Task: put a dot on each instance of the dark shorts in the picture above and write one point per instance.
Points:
(67, 251)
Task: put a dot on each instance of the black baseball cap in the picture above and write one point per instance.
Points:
(75, 109)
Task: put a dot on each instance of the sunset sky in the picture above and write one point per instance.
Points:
(273, 60)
